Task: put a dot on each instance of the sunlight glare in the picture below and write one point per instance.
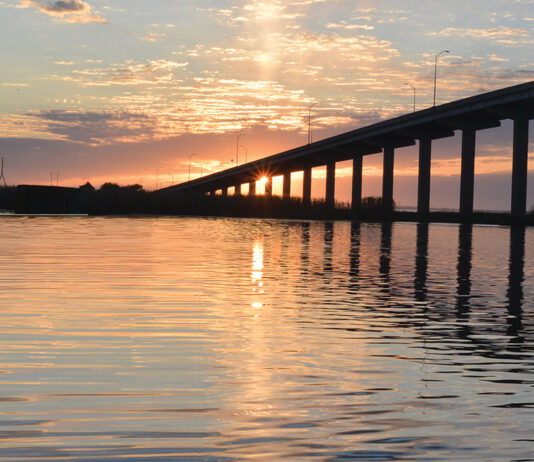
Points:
(257, 269)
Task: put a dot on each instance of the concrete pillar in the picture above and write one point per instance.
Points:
(252, 188)
(467, 179)
(357, 165)
(237, 189)
(224, 191)
(287, 185)
(330, 184)
(269, 186)
(387, 180)
(423, 186)
(519, 168)
(306, 186)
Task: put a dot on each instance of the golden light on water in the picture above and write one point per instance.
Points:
(257, 271)
(257, 261)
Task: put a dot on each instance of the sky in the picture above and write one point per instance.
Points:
(128, 90)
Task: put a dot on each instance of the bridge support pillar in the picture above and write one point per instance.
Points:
(287, 185)
(519, 168)
(423, 184)
(467, 179)
(330, 184)
(387, 180)
(306, 186)
(357, 166)
(237, 189)
(252, 188)
(269, 186)
(224, 191)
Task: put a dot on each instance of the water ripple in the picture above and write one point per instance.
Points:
(217, 340)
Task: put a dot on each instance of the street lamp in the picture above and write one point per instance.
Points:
(410, 85)
(190, 155)
(436, 72)
(246, 152)
(309, 122)
(237, 148)
(157, 175)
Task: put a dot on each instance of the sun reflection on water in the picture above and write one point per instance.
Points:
(257, 270)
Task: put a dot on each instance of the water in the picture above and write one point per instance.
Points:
(218, 339)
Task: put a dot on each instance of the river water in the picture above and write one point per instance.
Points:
(224, 339)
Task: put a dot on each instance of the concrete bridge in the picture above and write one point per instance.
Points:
(468, 115)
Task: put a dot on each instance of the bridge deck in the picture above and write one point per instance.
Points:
(476, 112)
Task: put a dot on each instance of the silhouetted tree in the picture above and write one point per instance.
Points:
(110, 187)
(87, 187)
(133, 188)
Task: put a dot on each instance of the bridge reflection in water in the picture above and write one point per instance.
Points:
(366, 262)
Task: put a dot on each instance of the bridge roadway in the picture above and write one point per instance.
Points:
(468, 115)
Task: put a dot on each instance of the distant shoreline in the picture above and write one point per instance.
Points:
(133, 201)
(488, 219)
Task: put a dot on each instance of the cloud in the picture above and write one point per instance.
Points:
(73, 11)
(342, 25)
(205, 106)
(86, 127)
(14, 84)
(159, 71)
(500, 34)
(153, 36)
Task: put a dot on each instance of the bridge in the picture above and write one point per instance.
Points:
(469, 115)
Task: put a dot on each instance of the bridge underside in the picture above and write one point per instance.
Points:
(468, 115)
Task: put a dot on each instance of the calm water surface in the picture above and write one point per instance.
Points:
(219, 339)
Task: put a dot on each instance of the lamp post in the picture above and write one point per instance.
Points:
(436, 71)
(2, 177)
(309, 122)
(190, 155)
(157, 175)
(237, 148)
(413, 88)
(246, 152)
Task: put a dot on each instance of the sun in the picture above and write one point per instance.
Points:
(263, 180)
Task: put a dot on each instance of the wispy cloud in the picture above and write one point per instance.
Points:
(154, 36)
(501, 34)
(73, 11)
(14, 84)
(159, 71)
(346, 26)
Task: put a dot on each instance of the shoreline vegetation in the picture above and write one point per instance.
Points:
(113, 199)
